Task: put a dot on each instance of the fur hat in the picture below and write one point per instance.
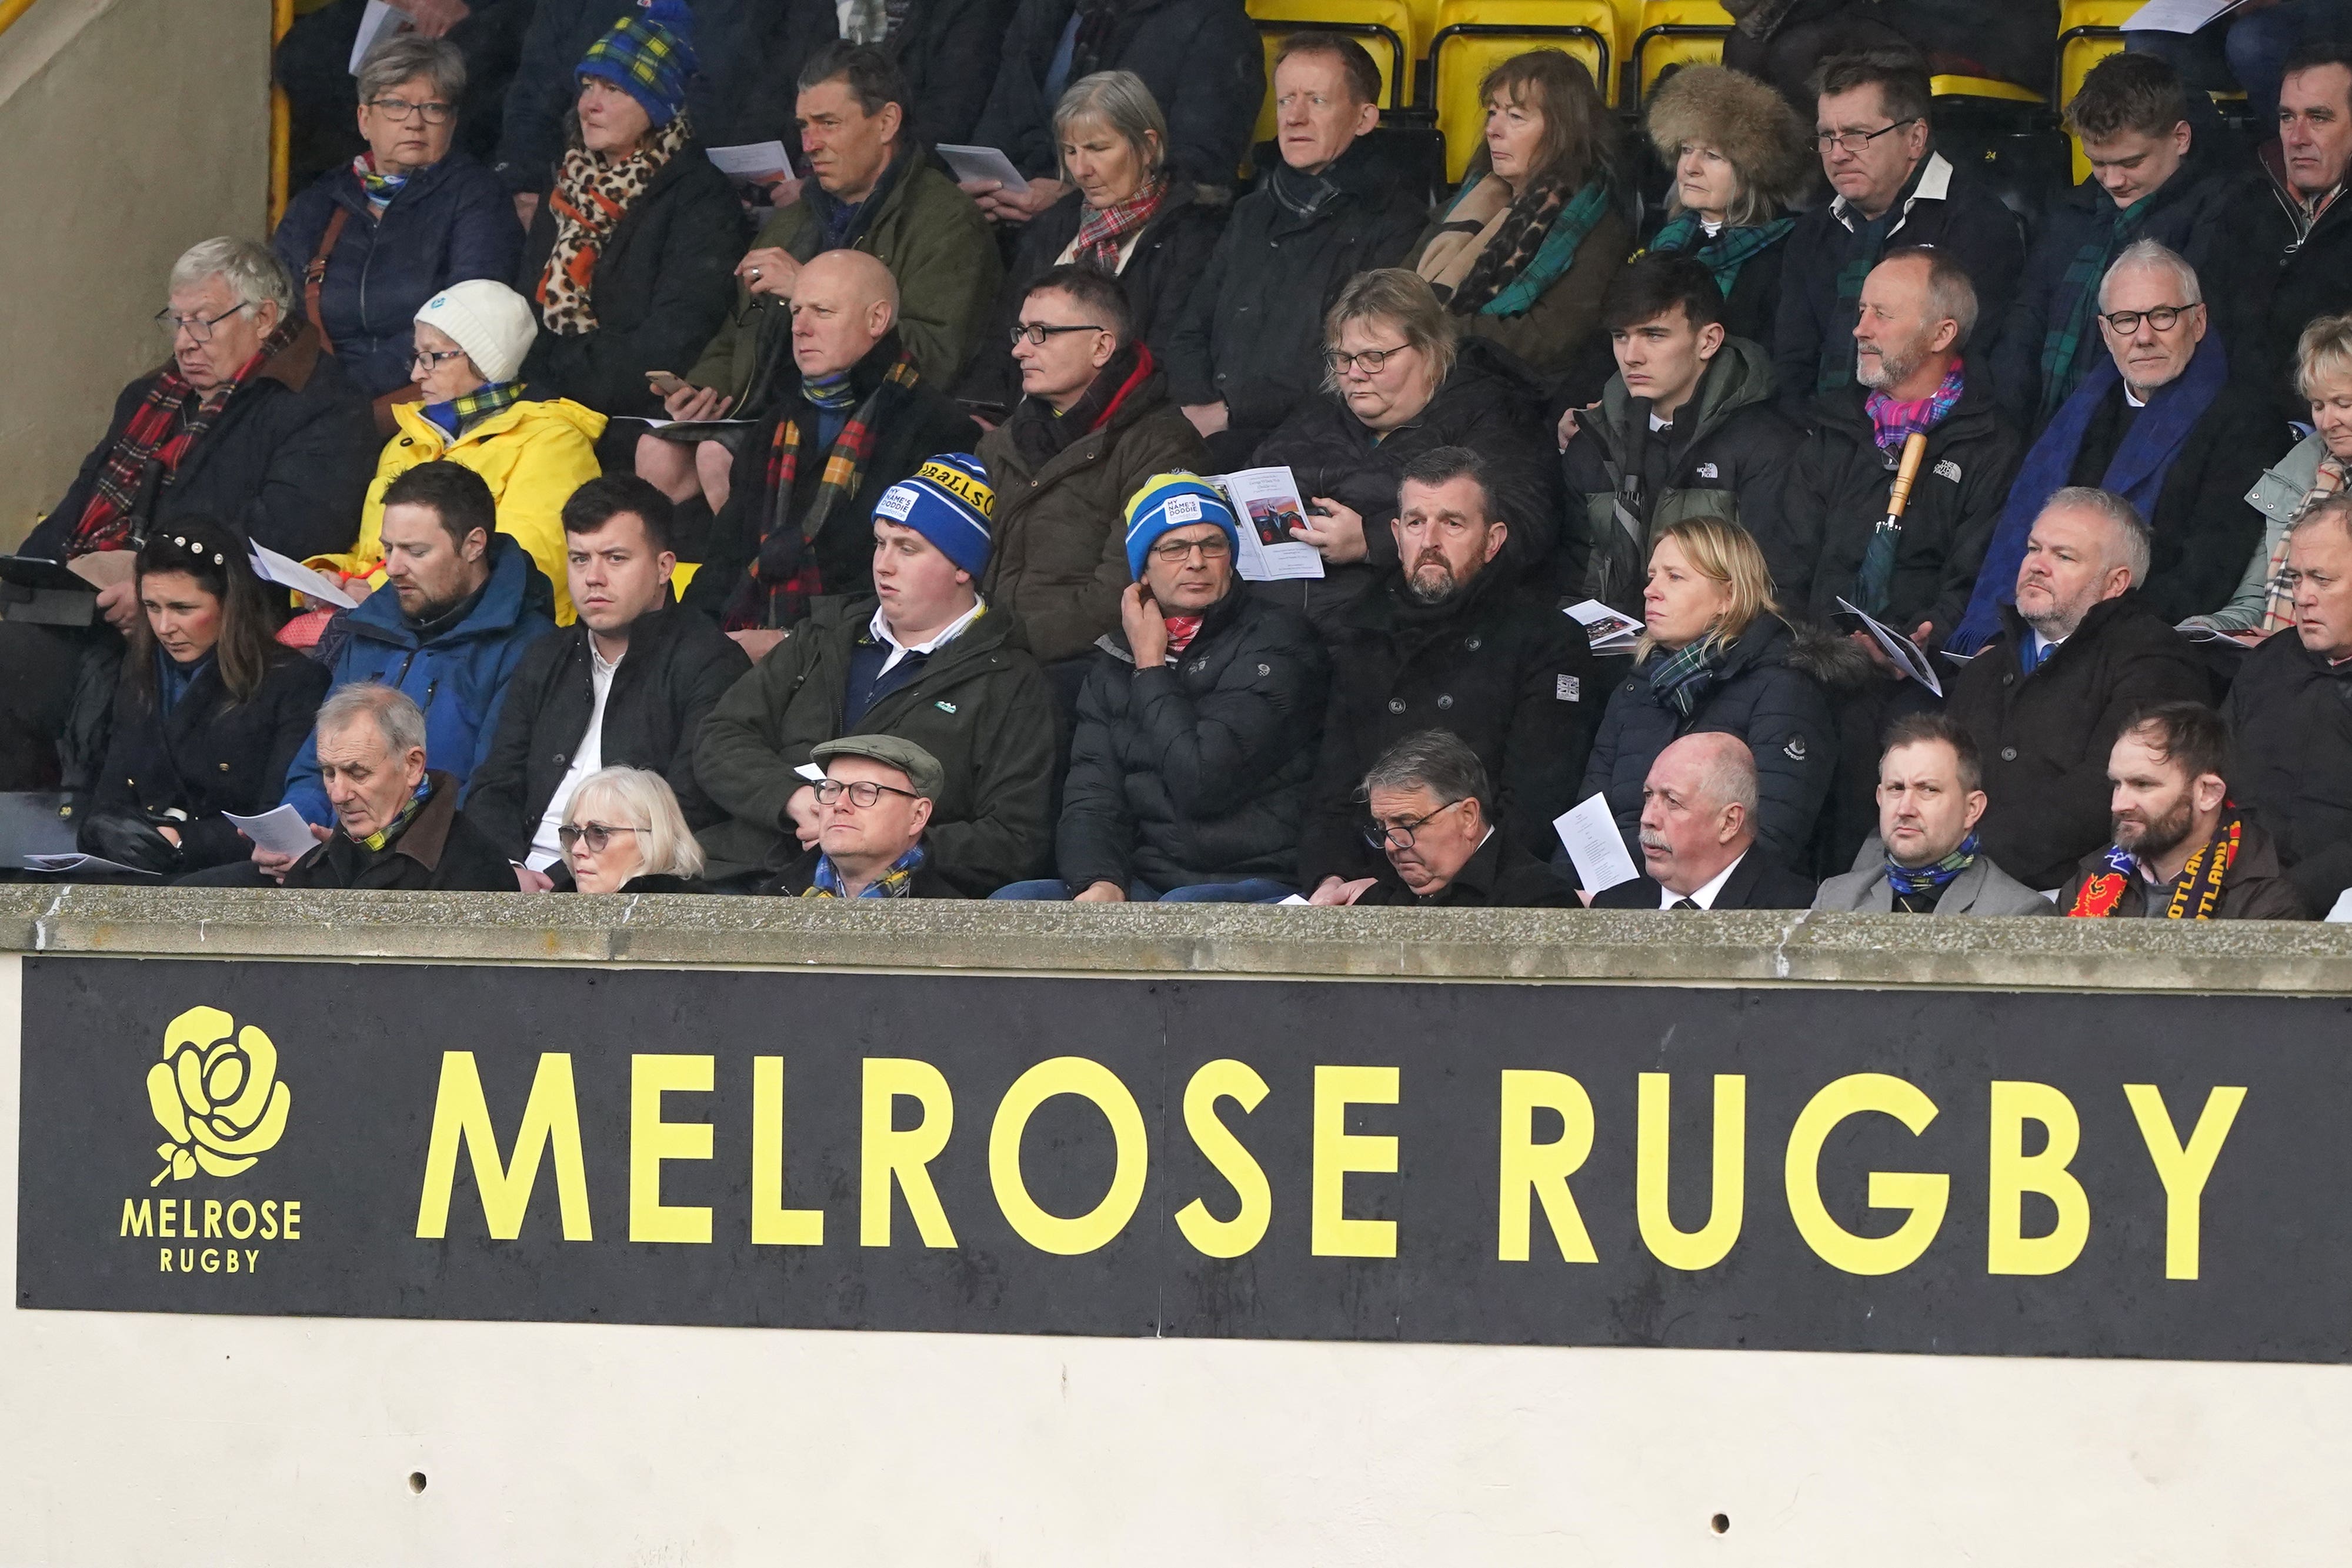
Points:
(1743, 119)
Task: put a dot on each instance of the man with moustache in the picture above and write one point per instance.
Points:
(1926, 859)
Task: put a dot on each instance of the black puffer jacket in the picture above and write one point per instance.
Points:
(947, 50)
(1488, 404)
(1771, 693)
(2290, 714)
(1837, 492)
(1169, 256)
(1251, 336)
(1197, 770)
(677, 666)
(1498, 666)
(2044, 738)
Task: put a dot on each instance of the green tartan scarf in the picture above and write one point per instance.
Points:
(1728, 252)
(2062, 344)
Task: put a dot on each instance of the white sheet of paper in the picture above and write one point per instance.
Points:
(379, 22)
(1604, 627)
(289, 572)
(280, 830)
(1899, 649)
(984, 163)
(1271, 494)
(2178, 16)
(666, 424)
(1595, 845)
(811, 772)
(58, 863)
(753, 161)
(2342, 913)
(1294, 899)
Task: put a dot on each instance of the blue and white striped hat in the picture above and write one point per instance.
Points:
(949, 501)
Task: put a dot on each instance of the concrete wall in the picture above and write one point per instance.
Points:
(132, 129)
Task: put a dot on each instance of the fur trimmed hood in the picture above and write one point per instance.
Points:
(1830, 657)
(1742, 118)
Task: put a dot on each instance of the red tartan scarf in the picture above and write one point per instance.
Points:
(161, 430)
(783, 576)
(1100, 232)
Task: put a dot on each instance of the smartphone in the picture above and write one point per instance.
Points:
(665, 383)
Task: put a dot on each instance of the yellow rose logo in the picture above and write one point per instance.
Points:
(218, 1098)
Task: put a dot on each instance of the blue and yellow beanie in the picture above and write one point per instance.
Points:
(1169, 501)
(949, 501)
(648, 55)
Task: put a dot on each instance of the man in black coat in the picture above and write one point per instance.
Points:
(2045, 699)
(1250, 348)
(1698, 837)
(1429, 806)
(1197, 726)
(1451, 644)
(947, 51)
(397, 825)
(1892, 189)
(626, 684)
(1686, 428)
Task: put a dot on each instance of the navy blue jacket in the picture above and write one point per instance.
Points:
(459, 678)
(449, 222)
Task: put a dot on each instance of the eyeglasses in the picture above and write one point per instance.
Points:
(1380, 835)
(1369, 360)
(1175, 553)
(599, 834)
(2163, 317)
(400, 111)
(865, 792)
(198, 329)
(1858, 142)
(1038, 331)
(433, 360)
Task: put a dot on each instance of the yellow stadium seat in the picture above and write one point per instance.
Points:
(1475, 35)
(1390, 30)
(1982, 87)
(1677, 33)
(2088, 32)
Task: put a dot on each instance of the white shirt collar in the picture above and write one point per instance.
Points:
(1934, 186)
(1707, 894)
(2133, 399)
(883, 633)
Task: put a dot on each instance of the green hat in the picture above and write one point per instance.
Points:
(922, 769)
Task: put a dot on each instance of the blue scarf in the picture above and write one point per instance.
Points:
(897, 882)
(2136, 473)
(1910, 882)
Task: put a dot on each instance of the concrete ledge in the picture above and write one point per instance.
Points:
(1743, 949)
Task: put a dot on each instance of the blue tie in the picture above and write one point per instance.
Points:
(2030, 653)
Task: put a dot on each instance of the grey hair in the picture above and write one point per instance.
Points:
(1435, 760)
(1951, 296)
(2130, 527)
(642, 798)
(2337, 507)
(1120, 100)
(247, 266)
(404, 57)
(2155, 256)
(392, 712)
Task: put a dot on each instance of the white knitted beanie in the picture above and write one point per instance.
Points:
(490, 320)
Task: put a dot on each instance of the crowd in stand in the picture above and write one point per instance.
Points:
(853, 535)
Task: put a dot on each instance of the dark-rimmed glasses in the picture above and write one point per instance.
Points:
(862, 794)
(599, 834)
(1380, 835)
(400, 111)
(1857, 142)
(2164, 317)
(198, 329)
(1368, 360)
(1038, 331)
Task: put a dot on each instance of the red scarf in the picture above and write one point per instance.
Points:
(1181, 630)
(1100, 232)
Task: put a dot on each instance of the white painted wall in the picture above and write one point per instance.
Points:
(144, 1439)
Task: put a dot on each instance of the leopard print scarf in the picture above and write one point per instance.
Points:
(592, 194)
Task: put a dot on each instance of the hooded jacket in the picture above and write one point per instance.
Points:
(1059, 561)
(2271, 283)
(980, 705)
(448, 224)
(1197, 770)
(1489, 404)
(661, 288)
(1252, 332)
(929, 235)
(1837, 491)
(2044, 738)
(1727, 456)
(532, 455)
(458, 677)
(285, 462)
(1507, 674)
(1770, 692)
(2290, 716)
(2253, 888)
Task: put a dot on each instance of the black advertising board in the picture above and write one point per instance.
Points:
(1842, 1170)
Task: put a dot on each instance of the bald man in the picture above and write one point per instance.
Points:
(1698, 835)
(784, 534)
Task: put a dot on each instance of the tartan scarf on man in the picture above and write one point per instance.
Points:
(2062, 345)
(1893, 422)
(897, 882)
(1100, 232)
(783, 576)
(1911, 881)
(2197, 892)
(158, 431)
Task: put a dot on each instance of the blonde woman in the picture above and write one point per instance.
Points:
(1717, 657)
(623, 831)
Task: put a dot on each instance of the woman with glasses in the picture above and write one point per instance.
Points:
(1401, 380)
(624, 831)
(373, 240)
(472, 409)
(1537, 227)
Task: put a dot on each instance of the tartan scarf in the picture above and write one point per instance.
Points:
(2062, 344)
(592, 195)
(1892, 422)
(1100, 231)
(897, 882)
(1730, 249)
(1493, 256)
(375, 842)
(1869, 244)
(380, 188)
(161, 430)
(2196, 891)
(457, 416)
(1910, 882)
(784, 574)
(2278, 606)
(1682, 678)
